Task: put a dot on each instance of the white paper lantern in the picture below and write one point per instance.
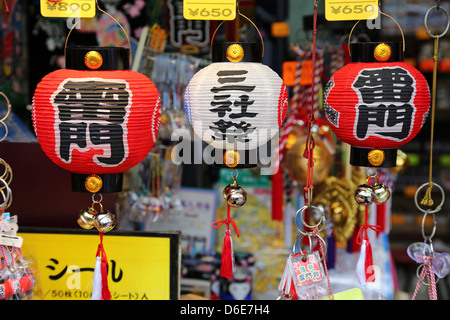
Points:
(237, 105)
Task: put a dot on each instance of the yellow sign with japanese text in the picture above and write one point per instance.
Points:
(141, 266)
(338, 10)
(68, 8)
(209, 9)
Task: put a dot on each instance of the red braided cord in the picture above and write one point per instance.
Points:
(427, 271)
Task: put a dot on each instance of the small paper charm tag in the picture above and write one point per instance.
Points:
(308, 275)
(306, 269)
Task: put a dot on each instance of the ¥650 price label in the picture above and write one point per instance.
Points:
(338, 10)
(68, 8)
(209, 9)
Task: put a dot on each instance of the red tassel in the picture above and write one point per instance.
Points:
(227, 265)
(106, 295)
(277, 195)
(370, 272)
(381, 217)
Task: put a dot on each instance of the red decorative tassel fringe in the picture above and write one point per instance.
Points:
(227, 264)
(106, 295)
(362, 235)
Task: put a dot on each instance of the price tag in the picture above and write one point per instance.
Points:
(68, 8)
(209, 9)
(338, 10)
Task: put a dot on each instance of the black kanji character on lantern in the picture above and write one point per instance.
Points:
(231, 83)
(222, 104)
(224, 131)
(92, 113)
(243, 103)
(385, 85)
(385, 107)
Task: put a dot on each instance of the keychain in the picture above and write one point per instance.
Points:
(431, 265)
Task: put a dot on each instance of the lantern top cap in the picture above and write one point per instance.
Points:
(366, 52)
(252, 52)
(113, 58)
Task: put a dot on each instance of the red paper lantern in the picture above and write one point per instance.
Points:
(96, 116)
(376, 103)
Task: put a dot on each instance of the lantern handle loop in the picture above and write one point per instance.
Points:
(260, 36)
(425, 22)
(2, 121)
(8, 104)
(385, 14)
(121, 27)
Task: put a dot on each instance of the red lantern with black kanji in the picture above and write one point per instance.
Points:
(96, 116)
(376, 103)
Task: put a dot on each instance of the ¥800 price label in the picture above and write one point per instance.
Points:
(338, 10)
(209, 9)
(68, 8)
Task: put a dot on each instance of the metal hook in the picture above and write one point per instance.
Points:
(425, 22)
(439, 207)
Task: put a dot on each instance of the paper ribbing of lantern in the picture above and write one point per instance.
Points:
(376, 105)
(96, 122)
(237, 106)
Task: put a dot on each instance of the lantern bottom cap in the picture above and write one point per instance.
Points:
(364, 157)
(111, 182)
(245, 159)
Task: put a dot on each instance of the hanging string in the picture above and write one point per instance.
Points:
(309, 151)
(427, 200)
(362, 233)
(427, 271)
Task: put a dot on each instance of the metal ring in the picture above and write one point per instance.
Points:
(375, 172)
(8, 104)
(438, 208)
(297, 240)
(425, 22)
(6, 131)
(301, 210)
(430, 243)
(423, 280)
(423, 226)
(97, 201)
(234, 176)
(300, 236)
(8, 198)
(7, 174)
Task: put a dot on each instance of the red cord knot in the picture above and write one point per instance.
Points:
(227, 221)
(362, 233)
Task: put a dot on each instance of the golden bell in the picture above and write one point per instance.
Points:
(105, 221)
(364, 194)
(235, 195)
(382, 193)
(86, 219)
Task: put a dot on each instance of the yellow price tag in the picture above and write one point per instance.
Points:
(338, 10)
(209, 9)
(68, 8)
